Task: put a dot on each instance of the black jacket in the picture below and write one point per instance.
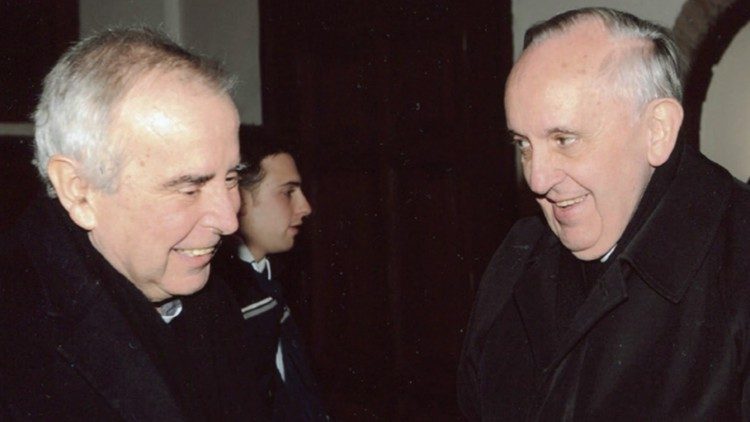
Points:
(663, 335)
(73, 348)
(268, 323)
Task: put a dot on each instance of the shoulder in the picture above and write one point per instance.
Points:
(518, 244)
(506, 267)
(18, 273)
(504, 270)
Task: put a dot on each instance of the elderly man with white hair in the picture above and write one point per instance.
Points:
(108, 309)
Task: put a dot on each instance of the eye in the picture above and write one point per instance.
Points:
(523, 145)
(565, 141)
(232, 180)
(192, 191)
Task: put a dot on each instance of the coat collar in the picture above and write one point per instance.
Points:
(52, 240)
(675, 239)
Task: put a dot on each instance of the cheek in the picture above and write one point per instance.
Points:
(548, 215)
(288, 210)
(236, 201)
(168, 224)
(280, 208)
(525, 169)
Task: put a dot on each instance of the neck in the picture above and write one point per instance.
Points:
(257, 253)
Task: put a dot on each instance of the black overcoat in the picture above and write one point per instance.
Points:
(67, 352)
(664, 334)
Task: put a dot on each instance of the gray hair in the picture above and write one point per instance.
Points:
(644, 73)
(81, 92)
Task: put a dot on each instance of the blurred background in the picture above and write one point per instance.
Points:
(396, 109)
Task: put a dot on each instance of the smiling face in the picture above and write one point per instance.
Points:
(584, 150)
(272, 212)
(177, 191)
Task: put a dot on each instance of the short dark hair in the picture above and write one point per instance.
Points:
(257, 143)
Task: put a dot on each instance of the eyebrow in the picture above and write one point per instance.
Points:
(513, 133)
(188, 179)
(558, 129)
(563, 130)
(292, 183)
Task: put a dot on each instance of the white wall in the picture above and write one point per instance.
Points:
(95, 15)
(226, 30)
(725, 124)
(229, 31)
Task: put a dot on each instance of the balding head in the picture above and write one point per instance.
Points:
(589, 143)
(647, 63)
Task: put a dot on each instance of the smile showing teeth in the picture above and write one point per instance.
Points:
(569, 202)
(196, 252)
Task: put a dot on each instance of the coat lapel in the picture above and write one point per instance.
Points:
(105, 351)
(534, 295)
(605, 295)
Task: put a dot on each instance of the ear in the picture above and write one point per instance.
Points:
(73, 191)
(664, 116)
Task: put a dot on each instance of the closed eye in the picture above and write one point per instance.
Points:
(232, 180)
(192, 191)
(565, 141)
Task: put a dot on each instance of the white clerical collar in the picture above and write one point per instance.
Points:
(608, 254)
(170, 310)
(260, 266)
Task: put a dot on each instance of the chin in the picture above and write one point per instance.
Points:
(585, 255)
(188, 286)
(581, 250)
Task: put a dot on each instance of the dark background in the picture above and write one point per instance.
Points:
(396, 107)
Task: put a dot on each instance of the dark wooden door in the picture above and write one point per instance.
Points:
(397, 109)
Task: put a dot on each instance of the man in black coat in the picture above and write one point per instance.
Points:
(632, 302)
(108, 310)
(271, 215)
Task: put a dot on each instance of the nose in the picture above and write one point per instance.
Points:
(222, 208)
(303, 207)
(542, 172)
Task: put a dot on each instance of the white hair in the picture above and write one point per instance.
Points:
(81, 92)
